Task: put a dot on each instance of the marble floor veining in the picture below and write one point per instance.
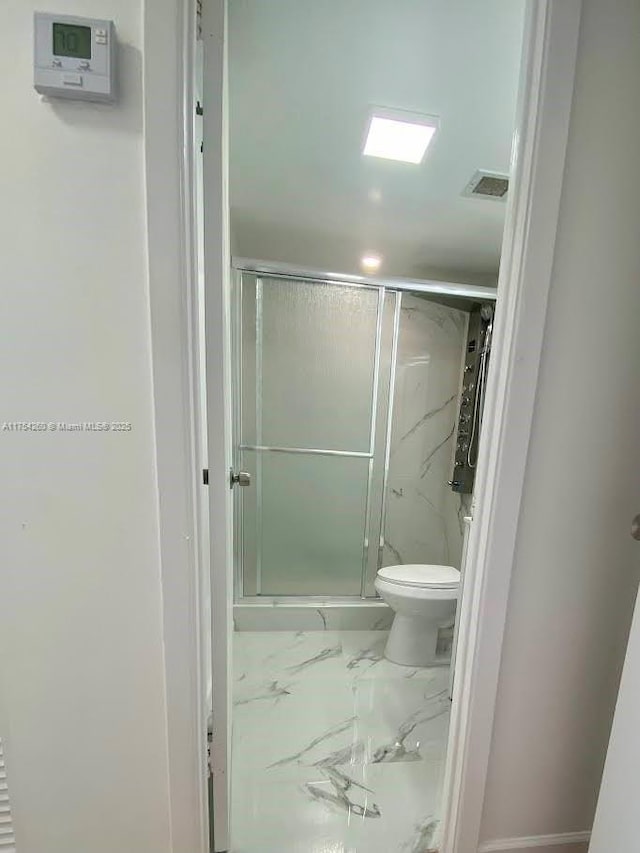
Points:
(334, 748)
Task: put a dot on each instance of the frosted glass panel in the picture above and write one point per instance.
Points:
(308, 355)
(303, 524)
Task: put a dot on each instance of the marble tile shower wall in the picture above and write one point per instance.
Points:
(424, 517)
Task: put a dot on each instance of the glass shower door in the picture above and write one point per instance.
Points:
(309, 362)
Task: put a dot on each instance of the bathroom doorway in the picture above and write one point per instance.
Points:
(359, 343)
(329, 736)
(354, 405)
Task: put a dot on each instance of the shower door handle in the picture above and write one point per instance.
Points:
(239, 478)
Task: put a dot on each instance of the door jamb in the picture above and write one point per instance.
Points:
(168, 72)
(532, 215)
(540, 142)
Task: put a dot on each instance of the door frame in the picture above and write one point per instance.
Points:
(167, 89)
(550, 41)
(550, 47)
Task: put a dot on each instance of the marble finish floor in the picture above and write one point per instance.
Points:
(335, 749)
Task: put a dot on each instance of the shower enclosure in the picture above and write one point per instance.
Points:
(345, 409)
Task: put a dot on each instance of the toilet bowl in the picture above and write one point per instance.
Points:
(424, 600)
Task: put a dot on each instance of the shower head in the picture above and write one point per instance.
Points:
(486, 312)
(486, 315)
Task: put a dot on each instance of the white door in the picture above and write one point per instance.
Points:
(615, 826)
(217, 265)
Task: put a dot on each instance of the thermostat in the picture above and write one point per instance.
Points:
(74, 57)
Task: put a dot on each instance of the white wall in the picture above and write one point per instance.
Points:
(81, 669)
(576, 567)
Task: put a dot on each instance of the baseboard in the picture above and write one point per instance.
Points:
(567, 842)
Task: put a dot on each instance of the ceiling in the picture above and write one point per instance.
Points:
(303, 75)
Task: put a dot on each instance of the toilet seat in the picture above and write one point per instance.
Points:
(421, 576)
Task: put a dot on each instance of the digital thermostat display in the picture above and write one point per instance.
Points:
(74, 57)
(70, 40)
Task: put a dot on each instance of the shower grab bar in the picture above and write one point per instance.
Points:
(308, 451)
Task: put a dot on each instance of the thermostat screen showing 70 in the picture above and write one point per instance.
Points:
(72, 40)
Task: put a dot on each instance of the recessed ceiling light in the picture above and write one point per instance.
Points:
(402, 136)
(370, 262)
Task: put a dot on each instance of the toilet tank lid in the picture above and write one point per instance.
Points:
(444, 577)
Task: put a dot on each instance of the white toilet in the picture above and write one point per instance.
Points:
(424, 600)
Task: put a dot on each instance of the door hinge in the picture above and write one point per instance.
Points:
(199, 110)
(205, 476)
(210, 748)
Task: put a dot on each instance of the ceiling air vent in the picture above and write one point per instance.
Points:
(487, 185)
(7, 839)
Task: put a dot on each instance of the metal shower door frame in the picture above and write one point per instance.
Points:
(372, 534)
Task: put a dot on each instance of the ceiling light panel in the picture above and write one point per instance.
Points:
(370, 262)
(399, 135)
